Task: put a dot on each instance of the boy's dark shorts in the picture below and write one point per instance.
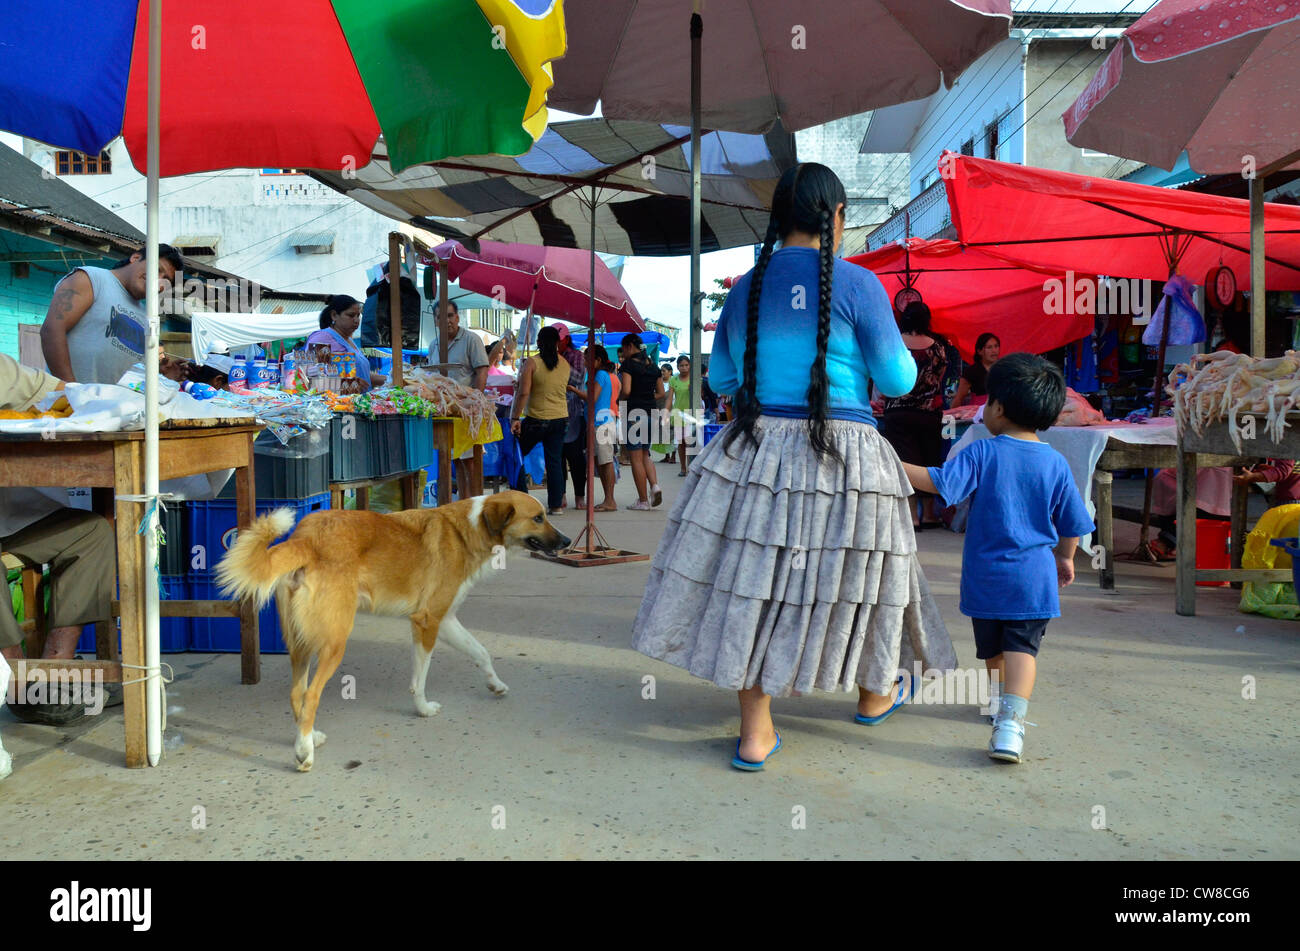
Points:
(993, 636)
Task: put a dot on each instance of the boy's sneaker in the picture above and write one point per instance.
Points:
(1008, 740)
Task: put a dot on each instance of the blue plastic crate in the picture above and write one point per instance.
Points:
(711, 430)
(418, 433)
(173, 632)
(212, 525)
(220, 635)
(353, 453)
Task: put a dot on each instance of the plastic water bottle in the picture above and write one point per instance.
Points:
(200, 391)
(273, 374)
(258, 376)
(239, 373)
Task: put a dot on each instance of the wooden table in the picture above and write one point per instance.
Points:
(412, 490)
(1214, 448)
(116, 461)
(1115, 457)
(443, 430)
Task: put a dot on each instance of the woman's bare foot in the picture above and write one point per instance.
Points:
(606, 506)
(874, 704)
(757, 746)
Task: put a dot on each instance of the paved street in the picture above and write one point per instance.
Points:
(1141, 729)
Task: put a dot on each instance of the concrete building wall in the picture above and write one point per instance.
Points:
(1056, 72)
(876, 184)
(991, 89)
(256, 215)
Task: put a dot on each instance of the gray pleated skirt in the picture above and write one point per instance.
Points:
(781, 570)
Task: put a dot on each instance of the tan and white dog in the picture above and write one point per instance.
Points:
(420, 563)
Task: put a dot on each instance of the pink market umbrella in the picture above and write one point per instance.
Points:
(1217, 78)
(550, 282)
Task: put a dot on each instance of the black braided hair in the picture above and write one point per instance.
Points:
(747, 406)
(805, 200)
(819, 385)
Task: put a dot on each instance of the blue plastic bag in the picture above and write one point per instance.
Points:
(1186, 325)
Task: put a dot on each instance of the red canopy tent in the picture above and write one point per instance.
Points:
(1120, 229)
(973, 290)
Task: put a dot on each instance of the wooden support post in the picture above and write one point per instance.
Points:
(444, 313)
(128, 479)
(1257, 266)
(250, 648)
(1185, 559)
(395, 301)
(1240, 500)
(1105, 537)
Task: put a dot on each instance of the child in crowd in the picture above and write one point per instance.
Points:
(1025, 521)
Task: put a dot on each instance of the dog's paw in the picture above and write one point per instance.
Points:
(498, 688)
(6, 764)
(317, 738)
(427, 708)
(304, 752)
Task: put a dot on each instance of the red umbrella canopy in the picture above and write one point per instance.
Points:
(1217, 78)
(1101, 226)
(552, 282)
(970, 291)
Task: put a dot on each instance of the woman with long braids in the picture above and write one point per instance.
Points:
(789, 561)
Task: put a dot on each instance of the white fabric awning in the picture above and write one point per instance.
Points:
(240, 330)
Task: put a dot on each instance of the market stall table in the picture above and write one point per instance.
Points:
(1094, 453)
(1214, 448)
(115, 460)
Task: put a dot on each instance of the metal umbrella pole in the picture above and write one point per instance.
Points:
(590, 532)
(152, 673)
(697, 34)
(595, 550)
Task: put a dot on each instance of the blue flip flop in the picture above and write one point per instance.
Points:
(872, 721)
(752, 767)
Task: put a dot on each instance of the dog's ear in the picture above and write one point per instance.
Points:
(497, 514)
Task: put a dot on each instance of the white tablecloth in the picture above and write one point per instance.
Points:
(1081, 446)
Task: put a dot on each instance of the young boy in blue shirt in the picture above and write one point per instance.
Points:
(1026, 517)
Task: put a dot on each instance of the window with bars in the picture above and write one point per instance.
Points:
(78, 163)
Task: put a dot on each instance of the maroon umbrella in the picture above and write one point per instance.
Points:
(1216, 78)
(549, 282)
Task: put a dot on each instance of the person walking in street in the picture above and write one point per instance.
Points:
(1026, 519)
(644, 390)
(913, 423)
(665, 450)
(575, 433)
(680, 385)
(540, 414)
(789, 563)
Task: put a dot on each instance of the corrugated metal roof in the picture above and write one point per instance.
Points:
(23, 183)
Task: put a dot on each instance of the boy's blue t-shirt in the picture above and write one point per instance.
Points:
(1025, 501)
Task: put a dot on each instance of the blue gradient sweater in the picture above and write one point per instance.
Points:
(864, 345)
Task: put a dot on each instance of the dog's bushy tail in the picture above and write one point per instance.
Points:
(251, 570)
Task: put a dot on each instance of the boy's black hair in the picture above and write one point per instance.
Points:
(1030, 389)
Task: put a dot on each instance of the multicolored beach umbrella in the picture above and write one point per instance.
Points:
(294, 83)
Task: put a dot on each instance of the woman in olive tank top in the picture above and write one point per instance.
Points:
(540, 412)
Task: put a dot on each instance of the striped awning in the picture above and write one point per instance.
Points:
(643, 176)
